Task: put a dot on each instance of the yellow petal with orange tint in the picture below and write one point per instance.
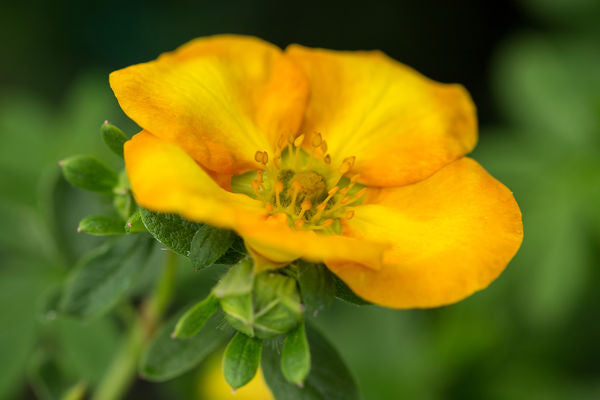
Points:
(220, 99)
(401, 126)
(165, 178)
(452, 235)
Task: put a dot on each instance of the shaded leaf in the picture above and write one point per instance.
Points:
(167, 358)
(209, 245)
(101, 279)
(171, 230)
(329, 378)
(343, 292)
(317, 285)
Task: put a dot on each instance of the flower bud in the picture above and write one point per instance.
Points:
(263, 305)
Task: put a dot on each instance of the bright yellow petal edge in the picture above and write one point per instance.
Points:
(424, 244)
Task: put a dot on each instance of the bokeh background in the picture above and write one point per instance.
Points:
(533, 69)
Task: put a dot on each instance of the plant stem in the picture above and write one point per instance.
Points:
(122, 371)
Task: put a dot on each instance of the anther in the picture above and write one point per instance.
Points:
(346, 165)
(299, 223)
(291, 138)
(316, 140)
(304, 207)
(269, 207)
(298, 141)
(327, 159)
(265, 158)
(328, 222)
(324, 147)
(350, 214)
(333, 191)
(258, 156)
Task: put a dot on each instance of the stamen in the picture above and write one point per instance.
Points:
(304, 207)
(296, 186)
(258, 156)
(259, 175)
(298, 141)
(269, 207)
(278, 190)
(265, 158)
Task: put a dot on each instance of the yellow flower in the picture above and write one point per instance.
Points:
(346, 158)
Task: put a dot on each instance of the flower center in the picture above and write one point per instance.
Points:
(302, 187)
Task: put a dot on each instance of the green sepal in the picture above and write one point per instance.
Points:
(317, 284)
(88, 173)
(295, 356)
(101, 225)
(241, 359)
(171, 230)
(194, 319)
(209, 244)
(277, 307)
(234, 292)
(134, 224)
(113, 137)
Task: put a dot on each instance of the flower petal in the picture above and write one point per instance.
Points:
(220, 98)
(165, 178)
(400, 126)
(452, 235)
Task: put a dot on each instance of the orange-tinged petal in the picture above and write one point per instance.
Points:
(452, 235)
(400, 125)
(165, 178)
(220, 98)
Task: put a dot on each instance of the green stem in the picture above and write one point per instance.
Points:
(122, 371)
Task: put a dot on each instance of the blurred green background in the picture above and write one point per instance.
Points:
(533, 68)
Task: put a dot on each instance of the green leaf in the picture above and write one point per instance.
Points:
(317, 285)
(134, 223)
(329, 378)
(295, 356)
(101, 279)
(113, 137)
(195, 318)
(235, 253)
(209, 245)
(343, 292)
(167, 358)
(88, 173)
(171, 230)
(241, 360)
(101, 225)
